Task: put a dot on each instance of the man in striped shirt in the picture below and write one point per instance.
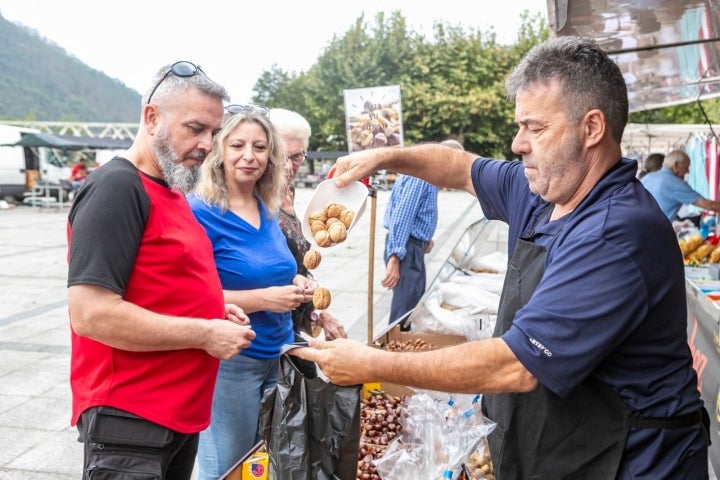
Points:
(410, 219)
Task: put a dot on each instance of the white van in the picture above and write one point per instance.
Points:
(22, 167)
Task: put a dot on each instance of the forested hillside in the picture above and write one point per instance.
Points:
(41, 81)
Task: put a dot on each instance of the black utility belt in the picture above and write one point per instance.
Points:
(678, 421)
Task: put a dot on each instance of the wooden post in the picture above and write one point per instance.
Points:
(372, 192)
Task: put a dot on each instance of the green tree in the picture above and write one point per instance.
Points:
(700, 111)
(452, 85)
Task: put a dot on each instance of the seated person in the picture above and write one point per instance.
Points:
(79, 173)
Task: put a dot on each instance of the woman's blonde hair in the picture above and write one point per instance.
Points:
(212, 184)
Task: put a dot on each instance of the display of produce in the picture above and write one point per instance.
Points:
(447, 436)
(699, 250)
(433, 421)
(417, 345)
(379, 424)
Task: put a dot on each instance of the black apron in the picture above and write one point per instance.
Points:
(540, 435)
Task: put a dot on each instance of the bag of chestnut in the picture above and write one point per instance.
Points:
(311, 427)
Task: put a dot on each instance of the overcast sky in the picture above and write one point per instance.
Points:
(233, 41)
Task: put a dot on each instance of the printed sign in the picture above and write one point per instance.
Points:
(373, 117)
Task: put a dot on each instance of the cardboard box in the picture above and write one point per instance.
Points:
(393, 332)
(391, 389)
(252, 466)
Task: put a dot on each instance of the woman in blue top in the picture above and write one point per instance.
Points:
(236, 200)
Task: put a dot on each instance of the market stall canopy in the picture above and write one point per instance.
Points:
(70, 142)
(668, 50)
(641, 138)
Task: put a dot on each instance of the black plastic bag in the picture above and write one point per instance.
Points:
(311, 427)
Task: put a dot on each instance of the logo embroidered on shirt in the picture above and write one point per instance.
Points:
(539, 345)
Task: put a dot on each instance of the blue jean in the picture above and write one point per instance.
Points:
(233, 429)
(411, 285)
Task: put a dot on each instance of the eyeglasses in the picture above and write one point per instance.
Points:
(179, 69)
(297, 158)
(235, 108)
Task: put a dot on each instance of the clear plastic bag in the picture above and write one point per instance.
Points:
(437, 437)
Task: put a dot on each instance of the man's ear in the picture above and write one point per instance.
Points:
(594, 127)
(151, 117)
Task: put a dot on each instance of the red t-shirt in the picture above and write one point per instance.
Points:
(79, 171)
(132, 234)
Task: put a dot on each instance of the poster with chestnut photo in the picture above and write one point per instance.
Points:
(373, 117)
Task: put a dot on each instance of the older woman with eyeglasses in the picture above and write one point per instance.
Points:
(294, 131)
(236, 200)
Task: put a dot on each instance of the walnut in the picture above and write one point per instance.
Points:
(322, 238)
(316, 226)
(333, 210)
(330, 221)
(337, 232)
(346, 217)
(321, 298)
(311, 259)
(320, 216)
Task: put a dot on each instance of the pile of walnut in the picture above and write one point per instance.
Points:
(379, 424)
(329, 226)
(479, 465)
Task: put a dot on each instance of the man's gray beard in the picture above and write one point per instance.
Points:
(177, 176)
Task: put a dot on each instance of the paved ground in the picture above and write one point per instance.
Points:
(36, 441)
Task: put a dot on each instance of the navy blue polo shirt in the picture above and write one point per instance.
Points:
(611, 303)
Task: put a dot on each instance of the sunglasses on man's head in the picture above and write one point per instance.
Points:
(235, 108)
(179, 69)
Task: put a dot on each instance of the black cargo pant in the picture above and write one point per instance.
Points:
(123, 446)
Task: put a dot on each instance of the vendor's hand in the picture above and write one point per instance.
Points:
(331, 326)
(236, 314)
(283, 299)
(392, 274)
(343, 361)
(226, 339)
(357, 165)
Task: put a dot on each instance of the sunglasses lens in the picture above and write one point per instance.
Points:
(179, 69)
(235, 108)
(184, 69)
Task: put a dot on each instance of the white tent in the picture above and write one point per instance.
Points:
(641, 139)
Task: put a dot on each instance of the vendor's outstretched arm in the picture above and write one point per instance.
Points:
(481, 366)
(437, 164)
